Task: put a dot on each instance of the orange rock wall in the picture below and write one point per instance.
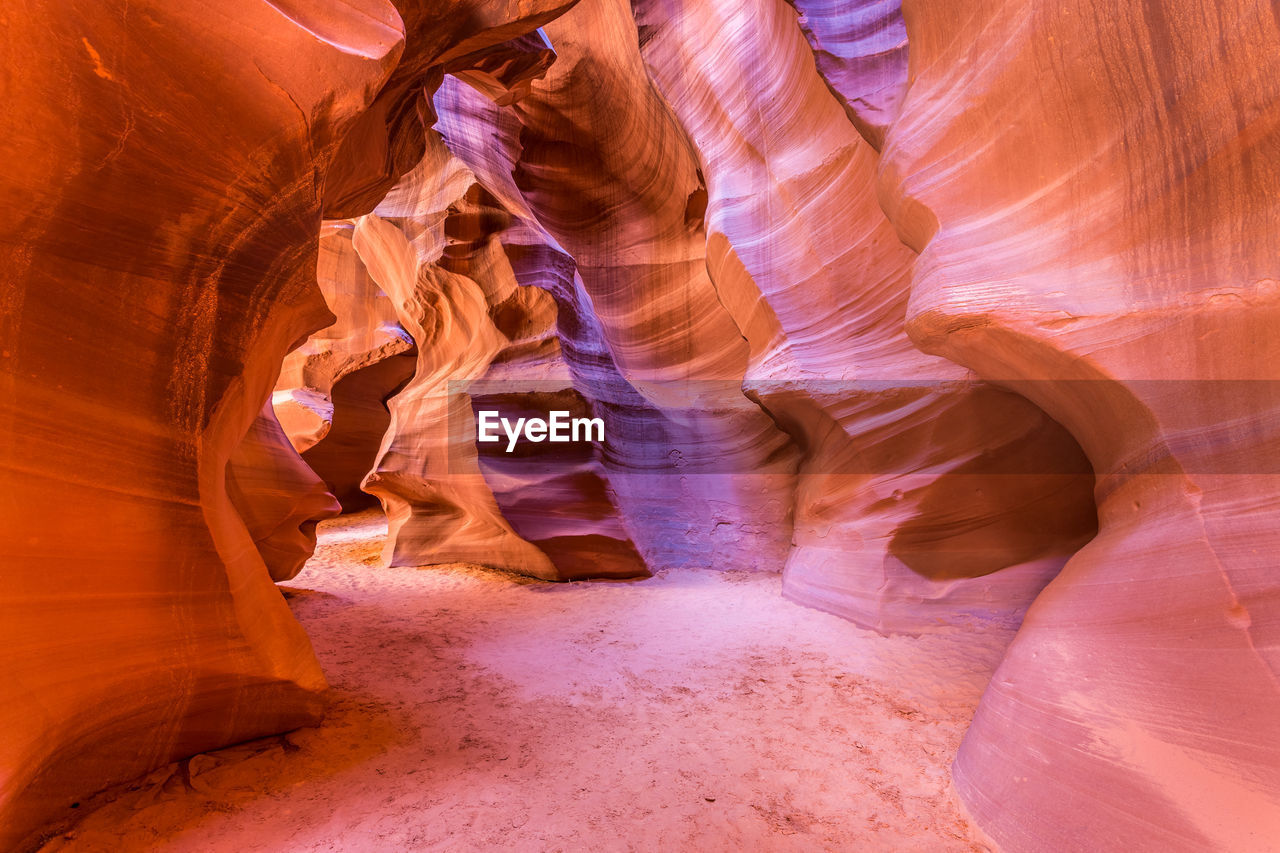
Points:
(166, 167)
(1109, 252)
(955, 310)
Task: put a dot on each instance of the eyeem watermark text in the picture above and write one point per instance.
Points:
(557, 428)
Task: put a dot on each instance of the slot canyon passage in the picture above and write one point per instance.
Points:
(932, 347)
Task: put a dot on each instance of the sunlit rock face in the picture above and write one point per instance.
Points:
(439, 507)
(607, 171)
(860, 49)
(438, 247)
(361, 417)
(1093, 191)
(925, 497)
(993, 337)
(169, 168)
(331, 394)
(278, 497)
(758, 326)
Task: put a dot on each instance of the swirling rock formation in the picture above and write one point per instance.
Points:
(925, 497)
(331, 393)
(144, 320)
(584, 531)
(1108, 251)
(676, 316)
(439, 508)
(360, 419)
(460, 297)
(913, 336)
(609, 174)
(278, 497)
(168, 167)
(557, 498)
(487, 39)
(894, 527)
(861, 52)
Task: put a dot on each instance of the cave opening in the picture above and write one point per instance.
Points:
(923, 369)
(503, 627)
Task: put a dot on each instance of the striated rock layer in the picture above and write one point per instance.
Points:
(860, 49)
(143, 323)
(557, 498)
(610, 175)
(331, 393)
(925, 497)
(460, 295)
(583, 531)
(519, 282)
(1108, 251)
(910, 299)
(166, 168)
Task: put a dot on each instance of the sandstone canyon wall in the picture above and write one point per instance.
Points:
(168, 166)
(952, 311)
(331, 392)
(145, 317)
(925, 496)
(1110, 252)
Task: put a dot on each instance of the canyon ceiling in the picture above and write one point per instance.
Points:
(955, 312)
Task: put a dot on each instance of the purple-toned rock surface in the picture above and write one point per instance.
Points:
(959, 313)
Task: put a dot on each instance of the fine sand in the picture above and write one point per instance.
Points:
(476, 711)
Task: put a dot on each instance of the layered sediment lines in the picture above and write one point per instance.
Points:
(167, 170)
(925, 497)
(915, 337)
(582, 529)
(144, 321)
(608, 172)
(861, 51)
(550, 515)
(1108, 251)
(330, 396)
(612, 311)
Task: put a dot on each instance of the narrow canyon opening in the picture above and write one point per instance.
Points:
(639, 424)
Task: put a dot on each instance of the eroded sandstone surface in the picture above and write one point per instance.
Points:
(167, 168)
(959, 314)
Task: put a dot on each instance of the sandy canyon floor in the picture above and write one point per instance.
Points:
(473, 710)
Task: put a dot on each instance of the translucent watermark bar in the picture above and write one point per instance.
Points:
(867, 428)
